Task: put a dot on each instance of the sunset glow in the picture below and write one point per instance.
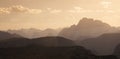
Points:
(42, 14)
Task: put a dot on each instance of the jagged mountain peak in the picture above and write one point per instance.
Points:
(87, 27)
(84, 22)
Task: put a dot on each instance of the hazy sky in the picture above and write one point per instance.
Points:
(42, 14)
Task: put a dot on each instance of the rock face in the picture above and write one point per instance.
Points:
(102, 45)
(35, 33)
(87, 28)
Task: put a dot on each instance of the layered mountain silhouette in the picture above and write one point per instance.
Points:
(41, 42)
(6, 35)
(45, 48)
(87, 28)
(102, 45)
(35, 33)
(86, 40)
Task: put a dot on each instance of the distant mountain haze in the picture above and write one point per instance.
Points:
(35, 33)
(87, 28)
(119, 28)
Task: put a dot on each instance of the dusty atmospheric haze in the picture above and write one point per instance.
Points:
(42, 14)
(59, 29)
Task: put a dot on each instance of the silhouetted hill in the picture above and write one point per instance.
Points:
(36, 52)
(45, 48)
(53, 41)
(102, 45)
(117, 51)
(87, 28)
(15, 42)
(35, 33)
(33, 52)
(6, 35)
(42, 48)
(42, 42)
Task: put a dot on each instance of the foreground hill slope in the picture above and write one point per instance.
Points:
(36, 52)
(44, 41)
(102, 45)
(6, 35)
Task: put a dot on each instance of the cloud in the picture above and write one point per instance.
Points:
(19, 9)
(82, 10)
(77, 8)
(106, 4)
(4, 11)
(92, 11)
(54, 11)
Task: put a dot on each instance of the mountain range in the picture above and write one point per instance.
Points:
(5, 35)
(87, 28)
(35, 33)
(95, 35)
(41, 42)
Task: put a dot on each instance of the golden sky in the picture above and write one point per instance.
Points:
(42, 14)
